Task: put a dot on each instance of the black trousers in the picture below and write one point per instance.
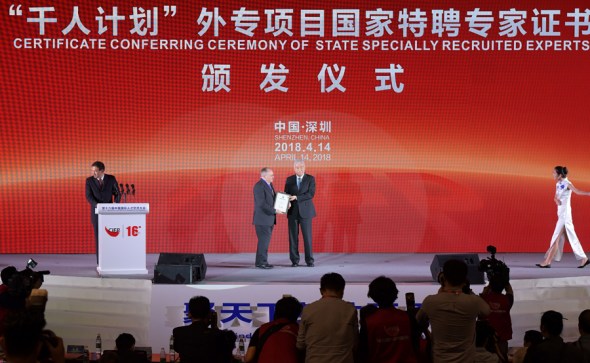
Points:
(294, 225)
(94, 220)
(264, 233)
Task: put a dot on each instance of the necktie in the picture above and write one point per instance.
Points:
(100, 183)
(298, 182)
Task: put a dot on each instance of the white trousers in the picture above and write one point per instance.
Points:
(563, 228)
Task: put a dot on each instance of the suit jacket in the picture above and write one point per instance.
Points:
(197, 343)
(264, 201)
(95, 195)
(302, 207)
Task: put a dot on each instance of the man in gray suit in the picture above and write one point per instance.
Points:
(264, 216)
(301, 187)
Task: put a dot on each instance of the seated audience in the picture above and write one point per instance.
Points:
(329, 327)
(25, 341)
(452, 314)
(202, 341)
(552, 349)
(387, 334)
(485, 343)
(531, 337)
(125, 344)
(583, 343)
(276, 341)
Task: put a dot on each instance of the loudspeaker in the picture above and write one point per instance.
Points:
(474, 276)
(180, 268)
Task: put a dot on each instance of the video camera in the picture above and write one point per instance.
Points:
(495, 269)
(23, 282)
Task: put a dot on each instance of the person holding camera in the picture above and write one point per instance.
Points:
(452, 314)
(202, 340)
(278, 337)
(387, 334)
(500, 305)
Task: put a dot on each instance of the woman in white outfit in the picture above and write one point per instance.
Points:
(565, 225)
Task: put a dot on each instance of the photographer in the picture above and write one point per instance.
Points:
(452, 314)
(387, 334)
(12, 296)
(278, 337)
(202, 341)
(21, 290)
(500, 305)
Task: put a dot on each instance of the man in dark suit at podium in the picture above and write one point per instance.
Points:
(264, 216)
(100, 188)
(301, 187)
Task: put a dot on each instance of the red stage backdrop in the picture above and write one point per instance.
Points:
(429, 126)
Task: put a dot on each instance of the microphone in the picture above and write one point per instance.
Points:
(121, 188)
(133, 189)
(127, 191)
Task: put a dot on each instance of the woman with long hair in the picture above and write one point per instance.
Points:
(565, 225)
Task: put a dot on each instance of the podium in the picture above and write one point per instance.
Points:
(121, 239)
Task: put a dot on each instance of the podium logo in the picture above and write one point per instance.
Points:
(113, 232)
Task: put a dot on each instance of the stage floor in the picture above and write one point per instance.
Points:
(356, 268)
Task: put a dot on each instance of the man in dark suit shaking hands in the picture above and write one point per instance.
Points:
(301, 187)
(100, 188)
(264, 215)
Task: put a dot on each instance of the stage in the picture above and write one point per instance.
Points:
(356, 268)
(81, 304)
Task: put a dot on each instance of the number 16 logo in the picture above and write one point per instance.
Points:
(133, 231)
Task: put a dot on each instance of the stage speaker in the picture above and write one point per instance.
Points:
(180, 268)
(474, 276)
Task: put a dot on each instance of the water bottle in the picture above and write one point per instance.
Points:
(98, 346)
(162, 355)
(241, 348)
(171, 351)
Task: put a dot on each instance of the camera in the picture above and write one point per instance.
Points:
(494, 269)
(22, 283)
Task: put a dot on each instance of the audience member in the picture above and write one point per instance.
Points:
(126, 352)
(278, 337)
(202, 341)
(125, 342)
(552, 349)
(6, 275)
(500, 305)
(6, 303)
(583, 343)
(484, 339)
(329, 327)
(387, 334)
(452, 314)
(531, 337)
(25, 341)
